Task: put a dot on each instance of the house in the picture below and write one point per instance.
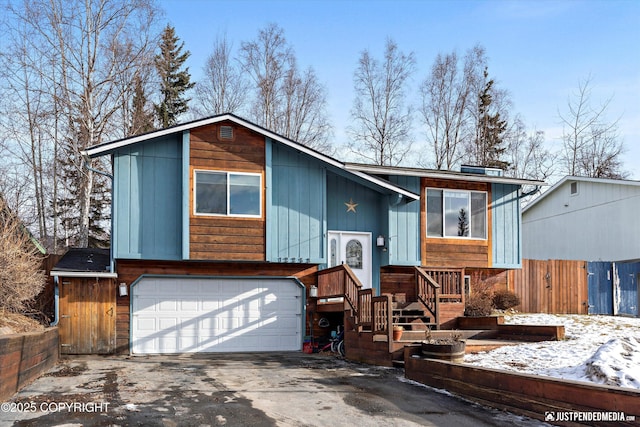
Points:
(592, 220)
(229, 237)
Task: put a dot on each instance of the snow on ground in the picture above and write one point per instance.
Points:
(598, 349)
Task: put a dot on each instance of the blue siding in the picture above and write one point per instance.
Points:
(506, 222)
(370, 215)
(147, 220)
(404, 224)
(296, 214)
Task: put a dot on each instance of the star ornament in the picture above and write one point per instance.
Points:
(351, 207)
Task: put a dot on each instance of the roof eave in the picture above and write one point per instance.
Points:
(426, 173)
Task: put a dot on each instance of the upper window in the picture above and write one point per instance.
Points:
(228, 193)
(458, 214)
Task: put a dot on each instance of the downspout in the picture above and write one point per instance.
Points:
(56, 298)
(531, 193)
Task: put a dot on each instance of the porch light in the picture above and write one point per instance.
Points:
(380, 241)
(122, 289)
(313, 291)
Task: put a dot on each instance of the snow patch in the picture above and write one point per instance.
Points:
(597, 349)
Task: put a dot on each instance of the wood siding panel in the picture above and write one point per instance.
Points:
(505, 213)
(454, 253)
(297, 215)
(130, 270)
(404, 225)
(219, 237)
(147, 200)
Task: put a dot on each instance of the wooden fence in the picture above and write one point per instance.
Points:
(551, 286)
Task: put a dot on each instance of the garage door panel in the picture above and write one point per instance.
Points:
(216, 315)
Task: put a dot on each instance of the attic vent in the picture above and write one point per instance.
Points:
(574, 188)
(226, 132)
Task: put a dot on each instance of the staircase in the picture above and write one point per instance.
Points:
(369, 319)
(412, 316)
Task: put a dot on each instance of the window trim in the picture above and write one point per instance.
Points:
(442, 233)
(228, 194)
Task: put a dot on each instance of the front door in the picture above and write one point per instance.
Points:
(87, 323)
(354, 249)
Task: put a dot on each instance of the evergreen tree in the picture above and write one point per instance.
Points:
(463, 223)
(141, 117)
(491, 128)
(174, 80)
(73, 174)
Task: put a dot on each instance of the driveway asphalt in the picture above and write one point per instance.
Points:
(274, 389)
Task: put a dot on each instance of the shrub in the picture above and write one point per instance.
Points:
(478, 305)
(21, 278)
(504, 300)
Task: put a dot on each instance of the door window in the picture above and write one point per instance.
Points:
(354, 254)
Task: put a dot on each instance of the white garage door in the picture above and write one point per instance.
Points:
(181, 315)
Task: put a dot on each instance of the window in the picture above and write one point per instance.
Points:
(227, 193)
(454, 213)
(354, 254)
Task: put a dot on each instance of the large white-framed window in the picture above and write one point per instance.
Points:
(456, 213)
(221, 193)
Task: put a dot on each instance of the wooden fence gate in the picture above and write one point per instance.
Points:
(87, 322)
(551, 286)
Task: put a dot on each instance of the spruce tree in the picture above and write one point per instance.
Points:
(174, 79)
(491, 128)
(141, 117)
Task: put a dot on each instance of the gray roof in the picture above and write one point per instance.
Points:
(84, 260)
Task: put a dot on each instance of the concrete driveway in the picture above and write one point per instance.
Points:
(283, 389)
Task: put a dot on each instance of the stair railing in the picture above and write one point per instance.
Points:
(340, 282)
(428, 292)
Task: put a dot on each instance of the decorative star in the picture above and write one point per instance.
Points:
(351, 207)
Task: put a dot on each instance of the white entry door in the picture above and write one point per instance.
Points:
(354, 249)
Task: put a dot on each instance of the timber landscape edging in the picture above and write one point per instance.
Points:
(25, 357)
(530, 395)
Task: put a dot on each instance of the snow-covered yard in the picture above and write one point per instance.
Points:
(598, 349)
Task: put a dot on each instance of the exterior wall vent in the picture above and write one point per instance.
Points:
(226, 132)
(574, 188)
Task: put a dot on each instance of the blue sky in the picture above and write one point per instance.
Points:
(538, 50)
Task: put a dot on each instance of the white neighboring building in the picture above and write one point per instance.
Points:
(590, 219)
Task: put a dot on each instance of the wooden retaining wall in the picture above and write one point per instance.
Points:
(528, 395)
(551, 286)
(25, 357)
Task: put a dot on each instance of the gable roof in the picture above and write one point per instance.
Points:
(560, 183)
(110, 147)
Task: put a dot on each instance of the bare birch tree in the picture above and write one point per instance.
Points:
(284, 100)
(381, 120)
(527, 155)
(81, 50)
(223, 88)
(591, 145)
(447, 93)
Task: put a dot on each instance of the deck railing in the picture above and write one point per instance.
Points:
(450, 281)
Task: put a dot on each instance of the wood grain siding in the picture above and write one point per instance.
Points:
(454, 253)
(226, 237)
